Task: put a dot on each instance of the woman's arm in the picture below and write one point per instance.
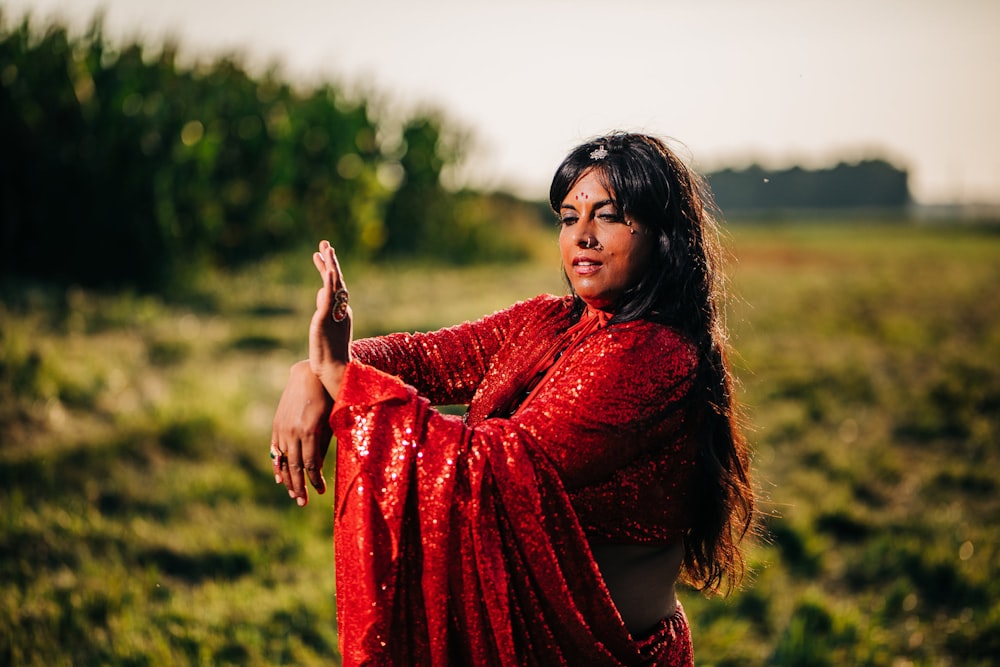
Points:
(618, 395)
(445, 366)
(449, 366)
(300, 434)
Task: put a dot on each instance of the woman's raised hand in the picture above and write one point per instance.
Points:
(331, 328)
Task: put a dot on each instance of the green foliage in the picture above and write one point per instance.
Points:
(809, 639)
(134, 169)
(421, 207)
(141, 526)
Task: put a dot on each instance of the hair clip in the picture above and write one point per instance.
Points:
(599, 153)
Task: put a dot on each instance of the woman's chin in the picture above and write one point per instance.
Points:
(596, 302)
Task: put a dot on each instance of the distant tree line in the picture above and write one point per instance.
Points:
(867, 184)
(120, 166)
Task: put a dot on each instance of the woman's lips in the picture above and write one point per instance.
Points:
(583, 266)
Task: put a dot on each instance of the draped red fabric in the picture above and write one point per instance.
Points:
(460, 541)
(590, 321)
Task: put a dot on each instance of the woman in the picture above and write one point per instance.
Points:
(598, 463)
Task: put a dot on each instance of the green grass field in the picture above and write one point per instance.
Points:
(141, 526)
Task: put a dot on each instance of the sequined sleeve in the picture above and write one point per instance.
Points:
(448, 365)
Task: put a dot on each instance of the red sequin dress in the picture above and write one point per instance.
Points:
(466, 540)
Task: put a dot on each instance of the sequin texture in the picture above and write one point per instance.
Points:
(465, 540)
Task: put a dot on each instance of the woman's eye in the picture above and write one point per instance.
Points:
(612, 216)
(567, 220)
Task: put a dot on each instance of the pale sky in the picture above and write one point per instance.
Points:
(777, 81)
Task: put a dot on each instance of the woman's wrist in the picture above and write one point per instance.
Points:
(331, 374)
(310, 384)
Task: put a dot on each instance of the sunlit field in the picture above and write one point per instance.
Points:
(141, 525)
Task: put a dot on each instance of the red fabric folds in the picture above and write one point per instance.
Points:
(457, 540)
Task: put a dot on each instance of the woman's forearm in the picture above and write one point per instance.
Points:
(331, 375)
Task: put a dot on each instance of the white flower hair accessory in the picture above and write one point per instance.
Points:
(599, 153)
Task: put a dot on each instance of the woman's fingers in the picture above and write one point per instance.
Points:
(300, 433)
(324, 297)
(331, 298)
(331, 325)
(325, 260)
(296, 480)
(287, 463)
(291, 466)
(313, 453)
(334, 264)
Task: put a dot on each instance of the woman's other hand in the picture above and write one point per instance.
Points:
(300, 433)
(330, 330)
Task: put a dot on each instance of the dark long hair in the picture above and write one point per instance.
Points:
(682, 289)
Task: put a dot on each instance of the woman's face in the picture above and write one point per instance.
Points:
(602, 255)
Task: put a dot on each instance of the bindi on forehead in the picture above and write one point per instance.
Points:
(582, 195)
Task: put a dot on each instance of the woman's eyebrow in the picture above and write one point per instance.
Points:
(596, 206)
(603, 202)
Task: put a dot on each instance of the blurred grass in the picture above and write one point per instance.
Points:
(141, 526)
